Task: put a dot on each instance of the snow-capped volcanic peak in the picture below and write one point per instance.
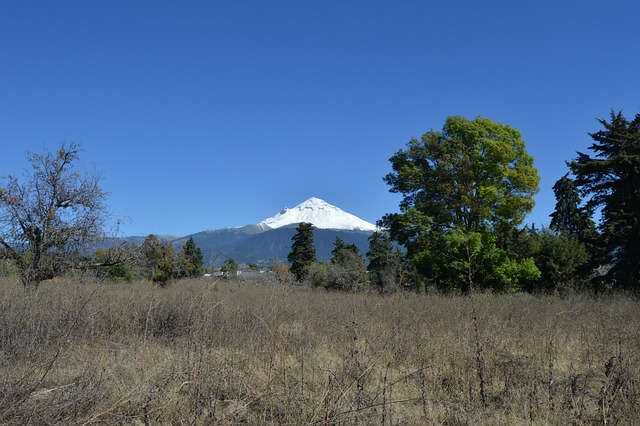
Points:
(319, 213)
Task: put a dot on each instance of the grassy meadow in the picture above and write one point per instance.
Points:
(205, 352)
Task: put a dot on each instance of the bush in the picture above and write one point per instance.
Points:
(283, 274)
(348, 276)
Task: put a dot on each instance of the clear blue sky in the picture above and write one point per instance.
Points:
(206, 114)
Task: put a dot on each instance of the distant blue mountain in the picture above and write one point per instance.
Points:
(269, 241)
(246, 245)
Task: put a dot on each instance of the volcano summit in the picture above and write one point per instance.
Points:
(320, 214)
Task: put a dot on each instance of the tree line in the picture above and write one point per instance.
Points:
(154, 260)
(347, 269)
(466, 191)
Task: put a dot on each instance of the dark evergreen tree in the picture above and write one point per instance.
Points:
(561, 259)
(571, 221)
(158, 260)
(342, 250)
(383, 262)
(337, 246)
(569, 217)
(230, 268)
(303, 252)
(611, 181)
(190, 260)
(347, 270)
(380, 252)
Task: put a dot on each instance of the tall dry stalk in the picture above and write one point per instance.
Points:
(258, 354)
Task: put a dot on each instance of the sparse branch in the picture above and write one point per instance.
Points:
(50, 213)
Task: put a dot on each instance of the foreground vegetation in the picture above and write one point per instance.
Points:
(205, 352)
(466, 192)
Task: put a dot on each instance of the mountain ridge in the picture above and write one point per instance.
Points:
(269, 240)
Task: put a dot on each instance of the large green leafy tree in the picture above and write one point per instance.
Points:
(303, 252)
(465, 189)
(610, 181)
(466, 260)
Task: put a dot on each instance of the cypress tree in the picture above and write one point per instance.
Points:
(303, 252)
(230, 268)
(568, 217)
(342, 250)
(191, 259)
(158, 258)
(382, 262)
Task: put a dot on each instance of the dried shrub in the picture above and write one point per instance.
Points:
(202, 352)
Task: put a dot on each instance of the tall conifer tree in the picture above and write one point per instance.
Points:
(303, 252)
(191, 259)
(568, 216)
(610, 179)
(383, 262)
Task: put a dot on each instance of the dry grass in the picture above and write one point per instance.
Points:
(228, 353)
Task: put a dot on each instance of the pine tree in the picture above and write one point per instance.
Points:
(560, 257)
(191, 260)
(338, 245)
(345, 272)
(610, 179)
(303, 252)
(568, 216)
(383, 262)
(158, 258)
(230, 268)
(341, 251)
(570, 222)
(348, 269)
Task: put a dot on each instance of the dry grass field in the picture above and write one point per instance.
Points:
(203, 352)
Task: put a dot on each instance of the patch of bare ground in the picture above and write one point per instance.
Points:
(203, 352)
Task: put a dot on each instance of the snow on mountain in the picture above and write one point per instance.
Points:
(319, 213)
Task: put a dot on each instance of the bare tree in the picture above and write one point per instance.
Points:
(48, 216)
